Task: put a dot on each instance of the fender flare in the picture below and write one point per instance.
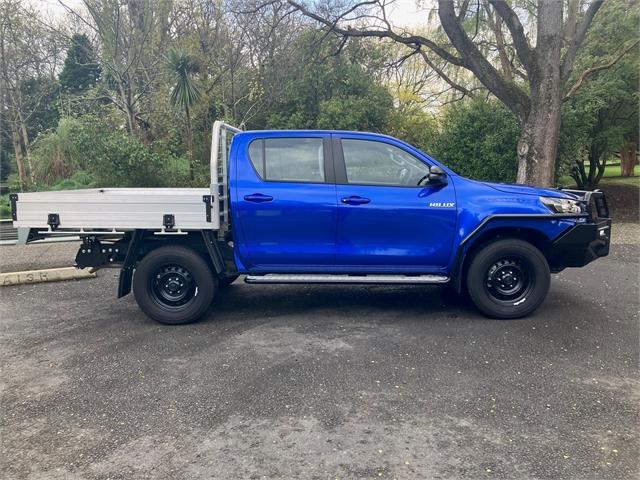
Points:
(484, 226)
(125, 279)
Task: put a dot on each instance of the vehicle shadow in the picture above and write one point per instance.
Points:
(380, 302)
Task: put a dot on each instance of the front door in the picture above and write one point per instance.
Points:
(389, 219)
(286, 202)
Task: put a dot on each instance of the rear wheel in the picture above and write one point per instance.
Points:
(174, 285)
(508, 279)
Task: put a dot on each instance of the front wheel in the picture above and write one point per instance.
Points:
(508, 279)
(174, 285)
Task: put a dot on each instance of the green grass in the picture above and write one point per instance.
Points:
(611, 177)
(612, 171)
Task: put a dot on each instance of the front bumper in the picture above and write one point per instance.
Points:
(581, 244)
(584, 242)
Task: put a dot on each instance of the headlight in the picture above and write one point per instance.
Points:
(562, 205)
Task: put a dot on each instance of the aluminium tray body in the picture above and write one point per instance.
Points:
(116, 209)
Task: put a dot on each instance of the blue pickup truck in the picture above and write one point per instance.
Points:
(328, 207)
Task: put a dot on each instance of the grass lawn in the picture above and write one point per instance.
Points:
(611, 177)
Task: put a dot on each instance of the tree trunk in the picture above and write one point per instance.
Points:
(125, 99)
(579, 174)
(628, 159)
(602, 166)
(17, 149)
(189, 143)
(27, 148)
(538, 143)
(537, 146)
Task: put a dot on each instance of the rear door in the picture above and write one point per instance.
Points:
(285, 202)
(387, 222)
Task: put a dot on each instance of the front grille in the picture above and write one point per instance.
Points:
(595, 202)
(600, 202)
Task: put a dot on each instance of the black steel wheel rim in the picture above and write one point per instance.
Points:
(173, 287)
(509, 280)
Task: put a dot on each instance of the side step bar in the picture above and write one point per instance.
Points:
(324, 278)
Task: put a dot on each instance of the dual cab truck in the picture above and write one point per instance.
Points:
(324, 207)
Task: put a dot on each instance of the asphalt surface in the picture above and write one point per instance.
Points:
(323, 382)
(16, 258)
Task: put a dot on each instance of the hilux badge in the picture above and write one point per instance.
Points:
(442, 204)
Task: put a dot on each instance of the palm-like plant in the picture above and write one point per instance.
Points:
(185, 92)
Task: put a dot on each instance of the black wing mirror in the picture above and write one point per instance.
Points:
(437, 176)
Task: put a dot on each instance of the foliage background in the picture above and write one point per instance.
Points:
(87, 98)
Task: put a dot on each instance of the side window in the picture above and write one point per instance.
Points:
(378, 163)
(288, 159)
(256, 155)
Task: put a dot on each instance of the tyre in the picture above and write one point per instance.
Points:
(508, 279)
(224, 282)
(174, 285)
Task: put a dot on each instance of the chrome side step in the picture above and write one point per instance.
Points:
(338, 278)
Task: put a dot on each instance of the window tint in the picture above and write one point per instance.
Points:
(256, 155)
(288, 159)
(377, 163)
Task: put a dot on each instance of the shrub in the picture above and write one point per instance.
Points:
(56, 154)
(80, 179)
(478, 139)
(103, 156)
(5, 164)
(5, 207)
(414, 126)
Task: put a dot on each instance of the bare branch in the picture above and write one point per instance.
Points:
(571, 21)
(512, 96)
(463, 10)
(520, 41)
(414, 40)
(590, 71)
(496, 26)
(444, 76)
(570, 54)
(257, 8)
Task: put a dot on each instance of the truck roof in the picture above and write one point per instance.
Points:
(313, 132)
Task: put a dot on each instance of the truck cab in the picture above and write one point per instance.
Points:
(309, 206)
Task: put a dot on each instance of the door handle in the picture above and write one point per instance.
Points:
(355, 200)
(258, 198)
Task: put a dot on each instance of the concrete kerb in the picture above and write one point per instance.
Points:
(47, 275)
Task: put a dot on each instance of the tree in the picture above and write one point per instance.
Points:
(534, 82)
(80, 70)
(29, 53)
(185, 93)
(129, 36)
(478, 139)
(602, 117)
(323, 90)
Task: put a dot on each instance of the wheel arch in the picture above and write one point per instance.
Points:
(477, 241)
(142, 242)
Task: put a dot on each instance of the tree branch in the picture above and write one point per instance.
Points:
(571, 21)
(463, 10)
(496, 26)
(444, 76)
(512, 96)
(416, 40)
(590, 71)
(520, 41)
(578, 38)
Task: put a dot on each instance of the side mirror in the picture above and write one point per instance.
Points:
(437, 176)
